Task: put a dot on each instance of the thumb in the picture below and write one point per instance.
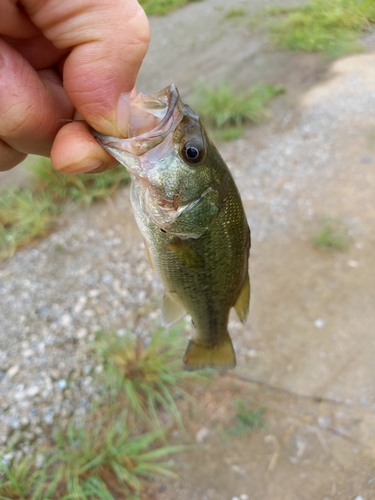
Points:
(108, 41)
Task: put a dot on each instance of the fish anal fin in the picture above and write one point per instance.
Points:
(243, 301)
(171, 311)
(185, 253)
(220, 356)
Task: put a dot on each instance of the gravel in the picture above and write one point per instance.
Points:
(53, 301)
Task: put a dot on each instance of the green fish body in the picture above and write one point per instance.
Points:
(190, 214)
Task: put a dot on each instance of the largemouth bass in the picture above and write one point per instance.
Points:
(190, 214)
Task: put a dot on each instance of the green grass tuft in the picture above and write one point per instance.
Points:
(235, 12)
(330, 26)
(103, 459)
(223, 109)
(20, 481)
(331, 237)
(247, 419)
(89, 458)
(28, 213)
(162, 7)
(24, 215)
(79, 188)
(149, 374)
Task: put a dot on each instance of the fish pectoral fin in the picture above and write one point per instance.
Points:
(148, 254)
(220, 356)
(243, 301)
(185, 253)
(171, 311)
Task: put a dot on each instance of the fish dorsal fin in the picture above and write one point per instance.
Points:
(242, 303)
(171, 310)
(185, 253)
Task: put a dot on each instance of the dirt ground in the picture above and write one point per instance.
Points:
(311, 329)
(307, 352)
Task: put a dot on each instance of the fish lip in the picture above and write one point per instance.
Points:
(138, 145)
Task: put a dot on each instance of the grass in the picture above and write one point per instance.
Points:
(111, 453)
(103, 460)
(247, 419)
(19, 482)
(80, 188)
(163, 7)
(235, 12)
(26, 214)
(331, 237)
(330, 26)
(150, 375)
(228, 111)
(114, 451)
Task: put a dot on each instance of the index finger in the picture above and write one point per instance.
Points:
(108, 41)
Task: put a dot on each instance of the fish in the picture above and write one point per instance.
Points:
(189, 211)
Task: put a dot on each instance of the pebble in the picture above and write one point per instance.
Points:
(238, 470)
(32, 391)
(319, 323)
(62, 384)
(7, 458)
(66, 320)
(13, 371)
(325, 421)
(366, 159)
(39, 461)
(82, 333)
(353, 263)
(202, 434)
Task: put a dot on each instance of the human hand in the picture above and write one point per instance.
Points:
(63, 59)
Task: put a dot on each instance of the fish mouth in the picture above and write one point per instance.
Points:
(153, 118)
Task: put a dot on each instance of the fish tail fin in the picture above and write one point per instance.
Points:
(220, 356)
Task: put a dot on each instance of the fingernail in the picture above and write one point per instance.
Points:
(87, 165)
(123, 114)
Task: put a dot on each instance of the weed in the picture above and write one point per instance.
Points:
(149, 374)
(278, 10)
(331, 237)
(90, 459)
(247, 419)
(235, 12)
(20, 481)
(231, 132)
(24, 215)
(330, 26)
(103, 459)
(162, 7)
(27, 214)
(80, 188)
(224, 109)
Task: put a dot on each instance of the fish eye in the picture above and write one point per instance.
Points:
(193, 151)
